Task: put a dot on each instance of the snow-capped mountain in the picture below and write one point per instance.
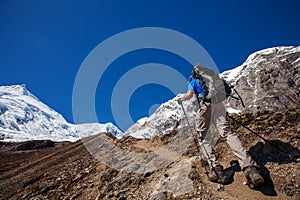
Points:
(167, 117)
(268, 80)
(24, 117)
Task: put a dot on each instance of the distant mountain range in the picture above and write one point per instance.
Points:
(268, 80)
(24, 117)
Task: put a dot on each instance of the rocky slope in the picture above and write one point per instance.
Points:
(49, 170)
(268, 80)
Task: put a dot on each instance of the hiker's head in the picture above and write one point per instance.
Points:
(200, 70)
(196, 73)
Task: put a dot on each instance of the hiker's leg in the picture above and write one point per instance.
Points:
(234, 142)
(206, 140)
(203, 119)
(207, 151)
(249, 167)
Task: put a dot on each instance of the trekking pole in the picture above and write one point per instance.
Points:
(236, 92)
(190, 127)
(264, 139)
(239, 97)
(196, 142)
(186, 118)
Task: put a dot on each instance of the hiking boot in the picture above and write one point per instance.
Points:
(254, 179)
(217, 175)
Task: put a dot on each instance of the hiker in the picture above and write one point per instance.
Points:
(212, 111)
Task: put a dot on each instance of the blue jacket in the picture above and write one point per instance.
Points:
(196, 86)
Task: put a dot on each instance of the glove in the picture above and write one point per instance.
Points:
(179, 101)
(200, 136)
(208, 98)
(201, 97)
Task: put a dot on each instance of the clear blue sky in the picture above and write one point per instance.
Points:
(43, 43)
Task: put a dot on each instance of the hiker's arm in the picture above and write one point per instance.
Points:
(188, 95)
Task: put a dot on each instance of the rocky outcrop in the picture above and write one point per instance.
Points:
(268, 80)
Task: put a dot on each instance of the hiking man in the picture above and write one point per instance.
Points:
(212, 112)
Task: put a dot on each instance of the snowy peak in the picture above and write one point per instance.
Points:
(281, 52)
(268, 80)
(16, 91)
(24, 117)
(289, 54)
(166, 118)
(89, 129)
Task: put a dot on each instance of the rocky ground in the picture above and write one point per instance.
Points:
(48, 170)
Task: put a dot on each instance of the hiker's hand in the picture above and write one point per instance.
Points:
(201, 97)
(179, 101)
(208, 98)
(200, 136)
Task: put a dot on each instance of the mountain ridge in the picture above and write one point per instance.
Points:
(268, 80)
(24, 117)
(253, 80)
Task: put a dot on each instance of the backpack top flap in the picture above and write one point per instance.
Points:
(218, 89)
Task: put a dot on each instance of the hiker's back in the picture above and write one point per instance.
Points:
(217, 89)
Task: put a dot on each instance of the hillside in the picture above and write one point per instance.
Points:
(268, 80)
(65, 170)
